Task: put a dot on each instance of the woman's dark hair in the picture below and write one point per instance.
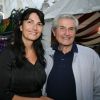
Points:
(18, 46)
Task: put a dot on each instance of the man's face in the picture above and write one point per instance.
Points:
(65, 32)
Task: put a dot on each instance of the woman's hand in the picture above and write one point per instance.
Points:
(45, 98)
(16, 97)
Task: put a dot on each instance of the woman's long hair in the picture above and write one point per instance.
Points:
(18, 46)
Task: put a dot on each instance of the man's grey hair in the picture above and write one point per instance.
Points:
(64, 16)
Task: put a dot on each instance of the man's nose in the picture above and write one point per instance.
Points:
(67, 31)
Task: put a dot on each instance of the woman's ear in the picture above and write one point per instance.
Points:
(20, 27)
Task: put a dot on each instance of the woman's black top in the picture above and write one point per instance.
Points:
(26, 80)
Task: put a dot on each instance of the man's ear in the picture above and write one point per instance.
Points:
(53, 31)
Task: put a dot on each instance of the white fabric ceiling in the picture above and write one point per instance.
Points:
(9, 5)
(72, 7)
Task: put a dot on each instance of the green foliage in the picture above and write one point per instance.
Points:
(2, 28)
(9, 24)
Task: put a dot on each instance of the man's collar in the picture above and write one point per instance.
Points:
(74, 47)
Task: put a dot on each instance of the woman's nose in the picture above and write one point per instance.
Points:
(35, 27)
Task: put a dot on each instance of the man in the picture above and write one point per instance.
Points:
(73, 70)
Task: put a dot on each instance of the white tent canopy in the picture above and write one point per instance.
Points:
(9, 5)
(72, 7)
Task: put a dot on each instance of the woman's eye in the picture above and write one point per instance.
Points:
(40, 24)
(29, 22)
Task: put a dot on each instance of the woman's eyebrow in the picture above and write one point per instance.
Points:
(33, 20)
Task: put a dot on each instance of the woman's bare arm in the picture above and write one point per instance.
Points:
(16, 97)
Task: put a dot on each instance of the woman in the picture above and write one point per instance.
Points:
(22, 65)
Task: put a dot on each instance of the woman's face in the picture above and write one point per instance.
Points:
(31, 28)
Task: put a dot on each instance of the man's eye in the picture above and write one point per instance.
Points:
(72, 29)
(61, 27)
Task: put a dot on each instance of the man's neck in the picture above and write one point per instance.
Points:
(64, 49)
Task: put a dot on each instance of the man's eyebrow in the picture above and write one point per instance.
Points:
(65, 26)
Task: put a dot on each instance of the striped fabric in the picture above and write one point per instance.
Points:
(88, 28)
